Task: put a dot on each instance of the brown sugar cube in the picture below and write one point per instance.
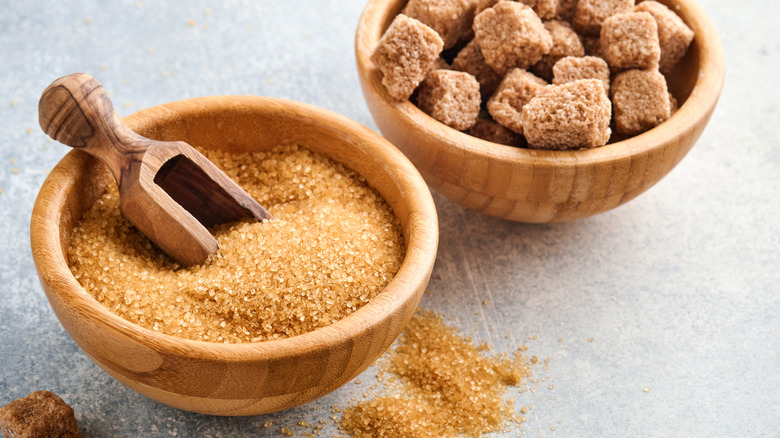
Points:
(471, 61)
(40, 414)
(451, 19)
(674, 35)
(570, 69)
(515, 90)
(590, 14)
(510, 34)
(630, 40)
(490, 130)
(405, 53)
(566, 42)
(451, 97)
(568, 116)
(566, 10)
(641, 101)
(673, 105)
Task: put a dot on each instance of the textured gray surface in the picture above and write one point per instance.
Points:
(679, 289)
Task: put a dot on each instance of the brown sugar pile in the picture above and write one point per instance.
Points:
(333, 246)
(443, 385)
(494, 41)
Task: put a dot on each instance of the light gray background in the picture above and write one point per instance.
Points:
(678, 289)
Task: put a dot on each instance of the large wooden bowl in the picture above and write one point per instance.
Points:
(253, 378)
(545, 186)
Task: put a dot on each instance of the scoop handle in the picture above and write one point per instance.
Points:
(76, 111)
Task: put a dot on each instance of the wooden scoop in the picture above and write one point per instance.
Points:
(168, 190)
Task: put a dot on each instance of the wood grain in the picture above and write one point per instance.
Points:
(168, 190)
(545, 186)
(238, 379)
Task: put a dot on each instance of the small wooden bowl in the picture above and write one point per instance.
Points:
(545, 186)
(253, 378)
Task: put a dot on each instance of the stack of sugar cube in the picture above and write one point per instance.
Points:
(546, 74)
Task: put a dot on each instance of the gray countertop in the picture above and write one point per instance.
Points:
(661, 317)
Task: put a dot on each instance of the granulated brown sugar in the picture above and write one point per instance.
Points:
(442, 385)
(334, 244)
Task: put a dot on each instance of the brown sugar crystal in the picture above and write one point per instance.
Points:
(333, 246)
(568, 116)
(405, 54)
(490, 130)
(566, 42)
(674, 36)
(445, 387)
(570, 69)
(40, 414)
(451, 19)
(590, 14)
(641, 101)
(471, 61)
(510, 34)
(515, 90)
(451, 97)
(630, 40)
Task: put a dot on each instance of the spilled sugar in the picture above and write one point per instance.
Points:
(441, 384)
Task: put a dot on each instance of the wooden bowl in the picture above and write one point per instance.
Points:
(545, 186)
(252, 378)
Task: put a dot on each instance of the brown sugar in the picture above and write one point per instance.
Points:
(570, 69)
(405, 54)
(630, 40)
(40, 414)
(515, 90)
(590, 14)
(490, 130)
(566, 10)
(566, 42)
(445, 387)
(510, 34)
(674, 36)
(451, 97)
(333, 246)
(568, 116)
(471, 61)
(451, 19)
(641, 101)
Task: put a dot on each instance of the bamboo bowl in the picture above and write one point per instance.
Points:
(545, 186)
(238, 379)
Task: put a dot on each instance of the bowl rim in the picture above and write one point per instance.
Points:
(704, 95)
(414, 272)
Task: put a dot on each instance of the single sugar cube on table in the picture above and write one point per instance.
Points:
(471, 61)
(590, 14)
(674, 36)
(568, 116)
(40, 414)
(515, 90)
(451, 19)
(510, 34)
(566, 42)
(630, 40)
(641, 101)
(451, 97)
(405, 54)
(570, 69)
